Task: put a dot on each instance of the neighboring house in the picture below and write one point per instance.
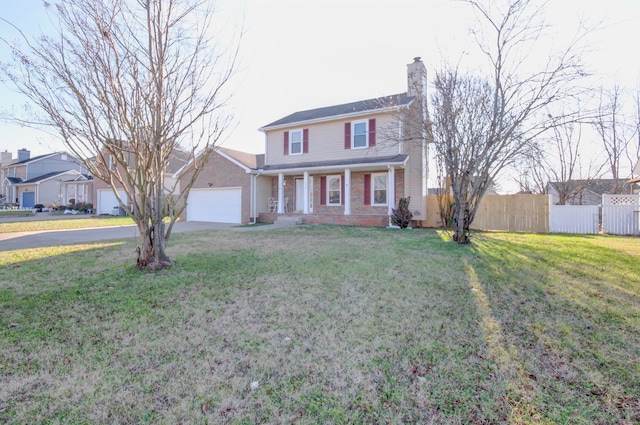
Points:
(585, 192)
(350, 163)
(6, 158)
(54, 178)
(107, 202)
(634, 182)
(227, 189)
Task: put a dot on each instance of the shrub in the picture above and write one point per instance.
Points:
(402, 216)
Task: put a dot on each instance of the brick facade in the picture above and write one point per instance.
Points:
(361, 214)
(223, 173)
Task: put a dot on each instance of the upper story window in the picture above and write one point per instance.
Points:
(295, 142)
(360, 134)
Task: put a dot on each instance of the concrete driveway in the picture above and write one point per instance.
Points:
(23, 240)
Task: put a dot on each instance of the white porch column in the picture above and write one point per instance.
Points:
(280, 193)
(347, 191)
(391, 190)
(305, 208)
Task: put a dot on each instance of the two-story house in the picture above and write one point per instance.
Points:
(54, 178)
(349, 163)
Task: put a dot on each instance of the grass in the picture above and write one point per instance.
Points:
(16, 213)
(64, 223)
(324, 325)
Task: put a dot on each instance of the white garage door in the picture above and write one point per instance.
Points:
(108, 203)
(216, 205)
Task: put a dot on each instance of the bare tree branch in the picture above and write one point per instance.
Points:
(129, 85)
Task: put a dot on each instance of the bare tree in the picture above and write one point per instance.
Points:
(616, 133)
(533, 176)
(128, 85)
(481, 125)
(564, 165)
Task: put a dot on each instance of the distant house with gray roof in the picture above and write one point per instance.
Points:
(585, 192)
(54, 178)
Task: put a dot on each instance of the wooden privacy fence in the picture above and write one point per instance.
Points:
(618, 214)
(509, 213)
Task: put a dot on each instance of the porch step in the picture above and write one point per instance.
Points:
(288, 220)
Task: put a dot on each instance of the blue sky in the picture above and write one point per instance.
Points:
(302, 54)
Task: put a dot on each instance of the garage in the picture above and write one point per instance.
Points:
(220, 205)
(108, 203)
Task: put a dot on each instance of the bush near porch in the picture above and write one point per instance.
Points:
(320, 324)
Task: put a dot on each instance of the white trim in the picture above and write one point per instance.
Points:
(391, 192)
(336, 117)
(219, 151)
(280, 193)
(297, 130)
(326, 168)
(339, 177)
(373, 189)
(78, 175)
(347, 191)
(306, 205)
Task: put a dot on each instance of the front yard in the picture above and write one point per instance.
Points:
(324, 325)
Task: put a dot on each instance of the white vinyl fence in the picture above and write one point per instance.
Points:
(620, 214)
(583, 219)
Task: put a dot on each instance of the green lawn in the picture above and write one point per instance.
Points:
(325, 325)
(63, 223)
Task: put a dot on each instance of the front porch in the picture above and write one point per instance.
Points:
(367, 220)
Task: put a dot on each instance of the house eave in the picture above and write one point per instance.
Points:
(337, 166)
(335, 117)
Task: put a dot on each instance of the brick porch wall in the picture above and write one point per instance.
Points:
(358, 208)
(364, 220)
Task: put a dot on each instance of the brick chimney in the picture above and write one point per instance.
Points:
(23, 154)
(417, 78)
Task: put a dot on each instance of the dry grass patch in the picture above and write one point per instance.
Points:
(319, 324)
(36, 224)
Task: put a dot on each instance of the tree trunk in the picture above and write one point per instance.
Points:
(151, 252)
(461, 222)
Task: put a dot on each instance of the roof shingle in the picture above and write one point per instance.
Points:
(395, 100)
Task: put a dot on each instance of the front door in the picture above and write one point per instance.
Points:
(299, 195)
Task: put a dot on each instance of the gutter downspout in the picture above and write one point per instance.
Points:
(254, 197)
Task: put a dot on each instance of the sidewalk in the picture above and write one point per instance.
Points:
(42, 238)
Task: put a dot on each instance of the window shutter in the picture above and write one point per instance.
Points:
(286, 143)
(372, 132)
(367, 189)
(323, 190)
(342, 193)
(305, 140)
(347, 135)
